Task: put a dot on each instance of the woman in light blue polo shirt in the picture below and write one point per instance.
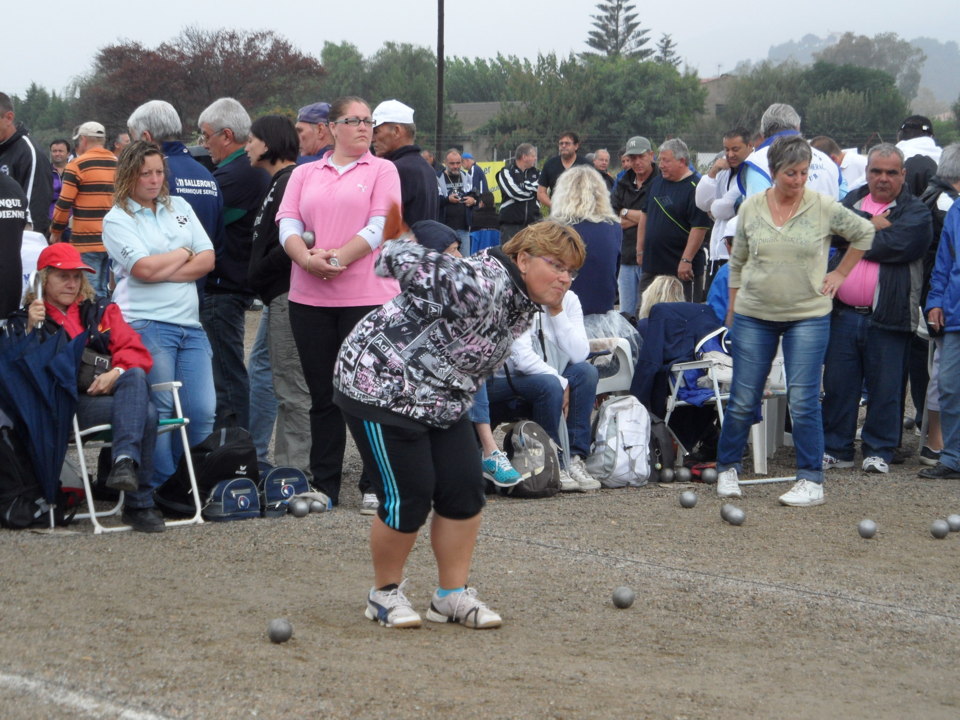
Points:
(159, 249)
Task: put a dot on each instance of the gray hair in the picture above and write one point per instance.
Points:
(787, 152)
(524, 149)
(676, 146)
(157, 117)
(885, 150)
(949, 168)
(581, 195)
(227, 113)
(777, 118)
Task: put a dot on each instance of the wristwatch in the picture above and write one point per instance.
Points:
(118, 369)
(684, 260)
(623, 213)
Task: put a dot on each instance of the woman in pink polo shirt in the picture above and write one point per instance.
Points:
(343, 199)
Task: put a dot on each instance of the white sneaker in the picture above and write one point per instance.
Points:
(464, 608)
(567, 483)
(578, 472)
(830, 462)
(874, 464)
(805, 493)
(369, 505)
(728, 485)
(391, 608)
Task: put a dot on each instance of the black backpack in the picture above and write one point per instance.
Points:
(662, 452)
(22, 503)
(534, 455)
(225, 454)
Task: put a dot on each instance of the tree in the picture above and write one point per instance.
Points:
(259, 69)
(667, 51)
(617, 31)
(885, 51)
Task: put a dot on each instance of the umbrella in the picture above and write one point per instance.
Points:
(39, 391)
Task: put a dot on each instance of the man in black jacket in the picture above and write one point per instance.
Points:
(25, 163)
(518, 181)
(628, 199)
(876, 311)
(393, 134)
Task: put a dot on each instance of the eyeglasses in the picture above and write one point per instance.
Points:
(354, 121)
(558, 268)
(207, 138)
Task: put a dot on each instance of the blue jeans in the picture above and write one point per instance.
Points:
(859, 352)
(540, 397)
(134, 421)
(950, 400)
(480, 410)
(754, 347)
(628, 285)
(100, 280)
(179, 353)
(263, 401)
(223, 316)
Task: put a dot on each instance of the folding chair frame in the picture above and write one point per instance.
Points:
(178, 422)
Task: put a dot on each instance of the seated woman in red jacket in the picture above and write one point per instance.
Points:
(120, 396)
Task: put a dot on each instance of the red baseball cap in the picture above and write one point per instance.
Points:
(62, 256)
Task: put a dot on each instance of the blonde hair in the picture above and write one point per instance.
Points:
(129, 165)
(549, 237)
(581, 195)
(84, 293)
(664, 288)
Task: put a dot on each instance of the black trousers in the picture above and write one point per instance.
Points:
(318, 333)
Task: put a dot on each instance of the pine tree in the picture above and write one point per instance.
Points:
(617, 31)
(667, 51)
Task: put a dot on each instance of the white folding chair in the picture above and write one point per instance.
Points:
(620, 353)
(99, 436)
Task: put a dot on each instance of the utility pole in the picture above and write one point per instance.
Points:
(440, 70)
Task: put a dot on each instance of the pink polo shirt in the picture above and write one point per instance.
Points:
(860, 286)
(336, 207)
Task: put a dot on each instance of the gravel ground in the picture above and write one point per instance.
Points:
(790, 615)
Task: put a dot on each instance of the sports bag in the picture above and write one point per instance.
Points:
(663, 453)
(21, 500)
(225, 454)
(234, 499)
(278, 487)
(621, 437)
(531, 450)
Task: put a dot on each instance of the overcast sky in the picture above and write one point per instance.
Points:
(52, 41)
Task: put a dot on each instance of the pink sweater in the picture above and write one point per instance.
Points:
(336, 207)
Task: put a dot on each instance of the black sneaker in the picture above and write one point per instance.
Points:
(900, 455)
(123, 476)
(148, 520)
(939, 472)
(928, 456)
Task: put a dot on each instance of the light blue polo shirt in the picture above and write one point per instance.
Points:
(129, 238)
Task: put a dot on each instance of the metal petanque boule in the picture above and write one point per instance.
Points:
(683, 475)
(939, 529)
(623, 597)
(667, 475)
(308, 239)
(735, 516)
(279, 630)
(954, 522)
(709, 475)
(688, 499)
(725, 509)
(867, 528)
(317, 507)
(299, 508)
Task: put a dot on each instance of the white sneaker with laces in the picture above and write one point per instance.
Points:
(465, 608)
(578, 471)
(391, 608)
(874, 464)
(728, 484)
(369, 505)
(805, 493)
(567, 483)
(830, 462)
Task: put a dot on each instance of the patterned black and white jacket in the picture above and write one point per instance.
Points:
(422, 355)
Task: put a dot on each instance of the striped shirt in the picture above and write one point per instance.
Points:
(88, 192)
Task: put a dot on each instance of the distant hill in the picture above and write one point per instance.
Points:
(939, 73)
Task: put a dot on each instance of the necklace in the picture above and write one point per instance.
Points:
(776, 208)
